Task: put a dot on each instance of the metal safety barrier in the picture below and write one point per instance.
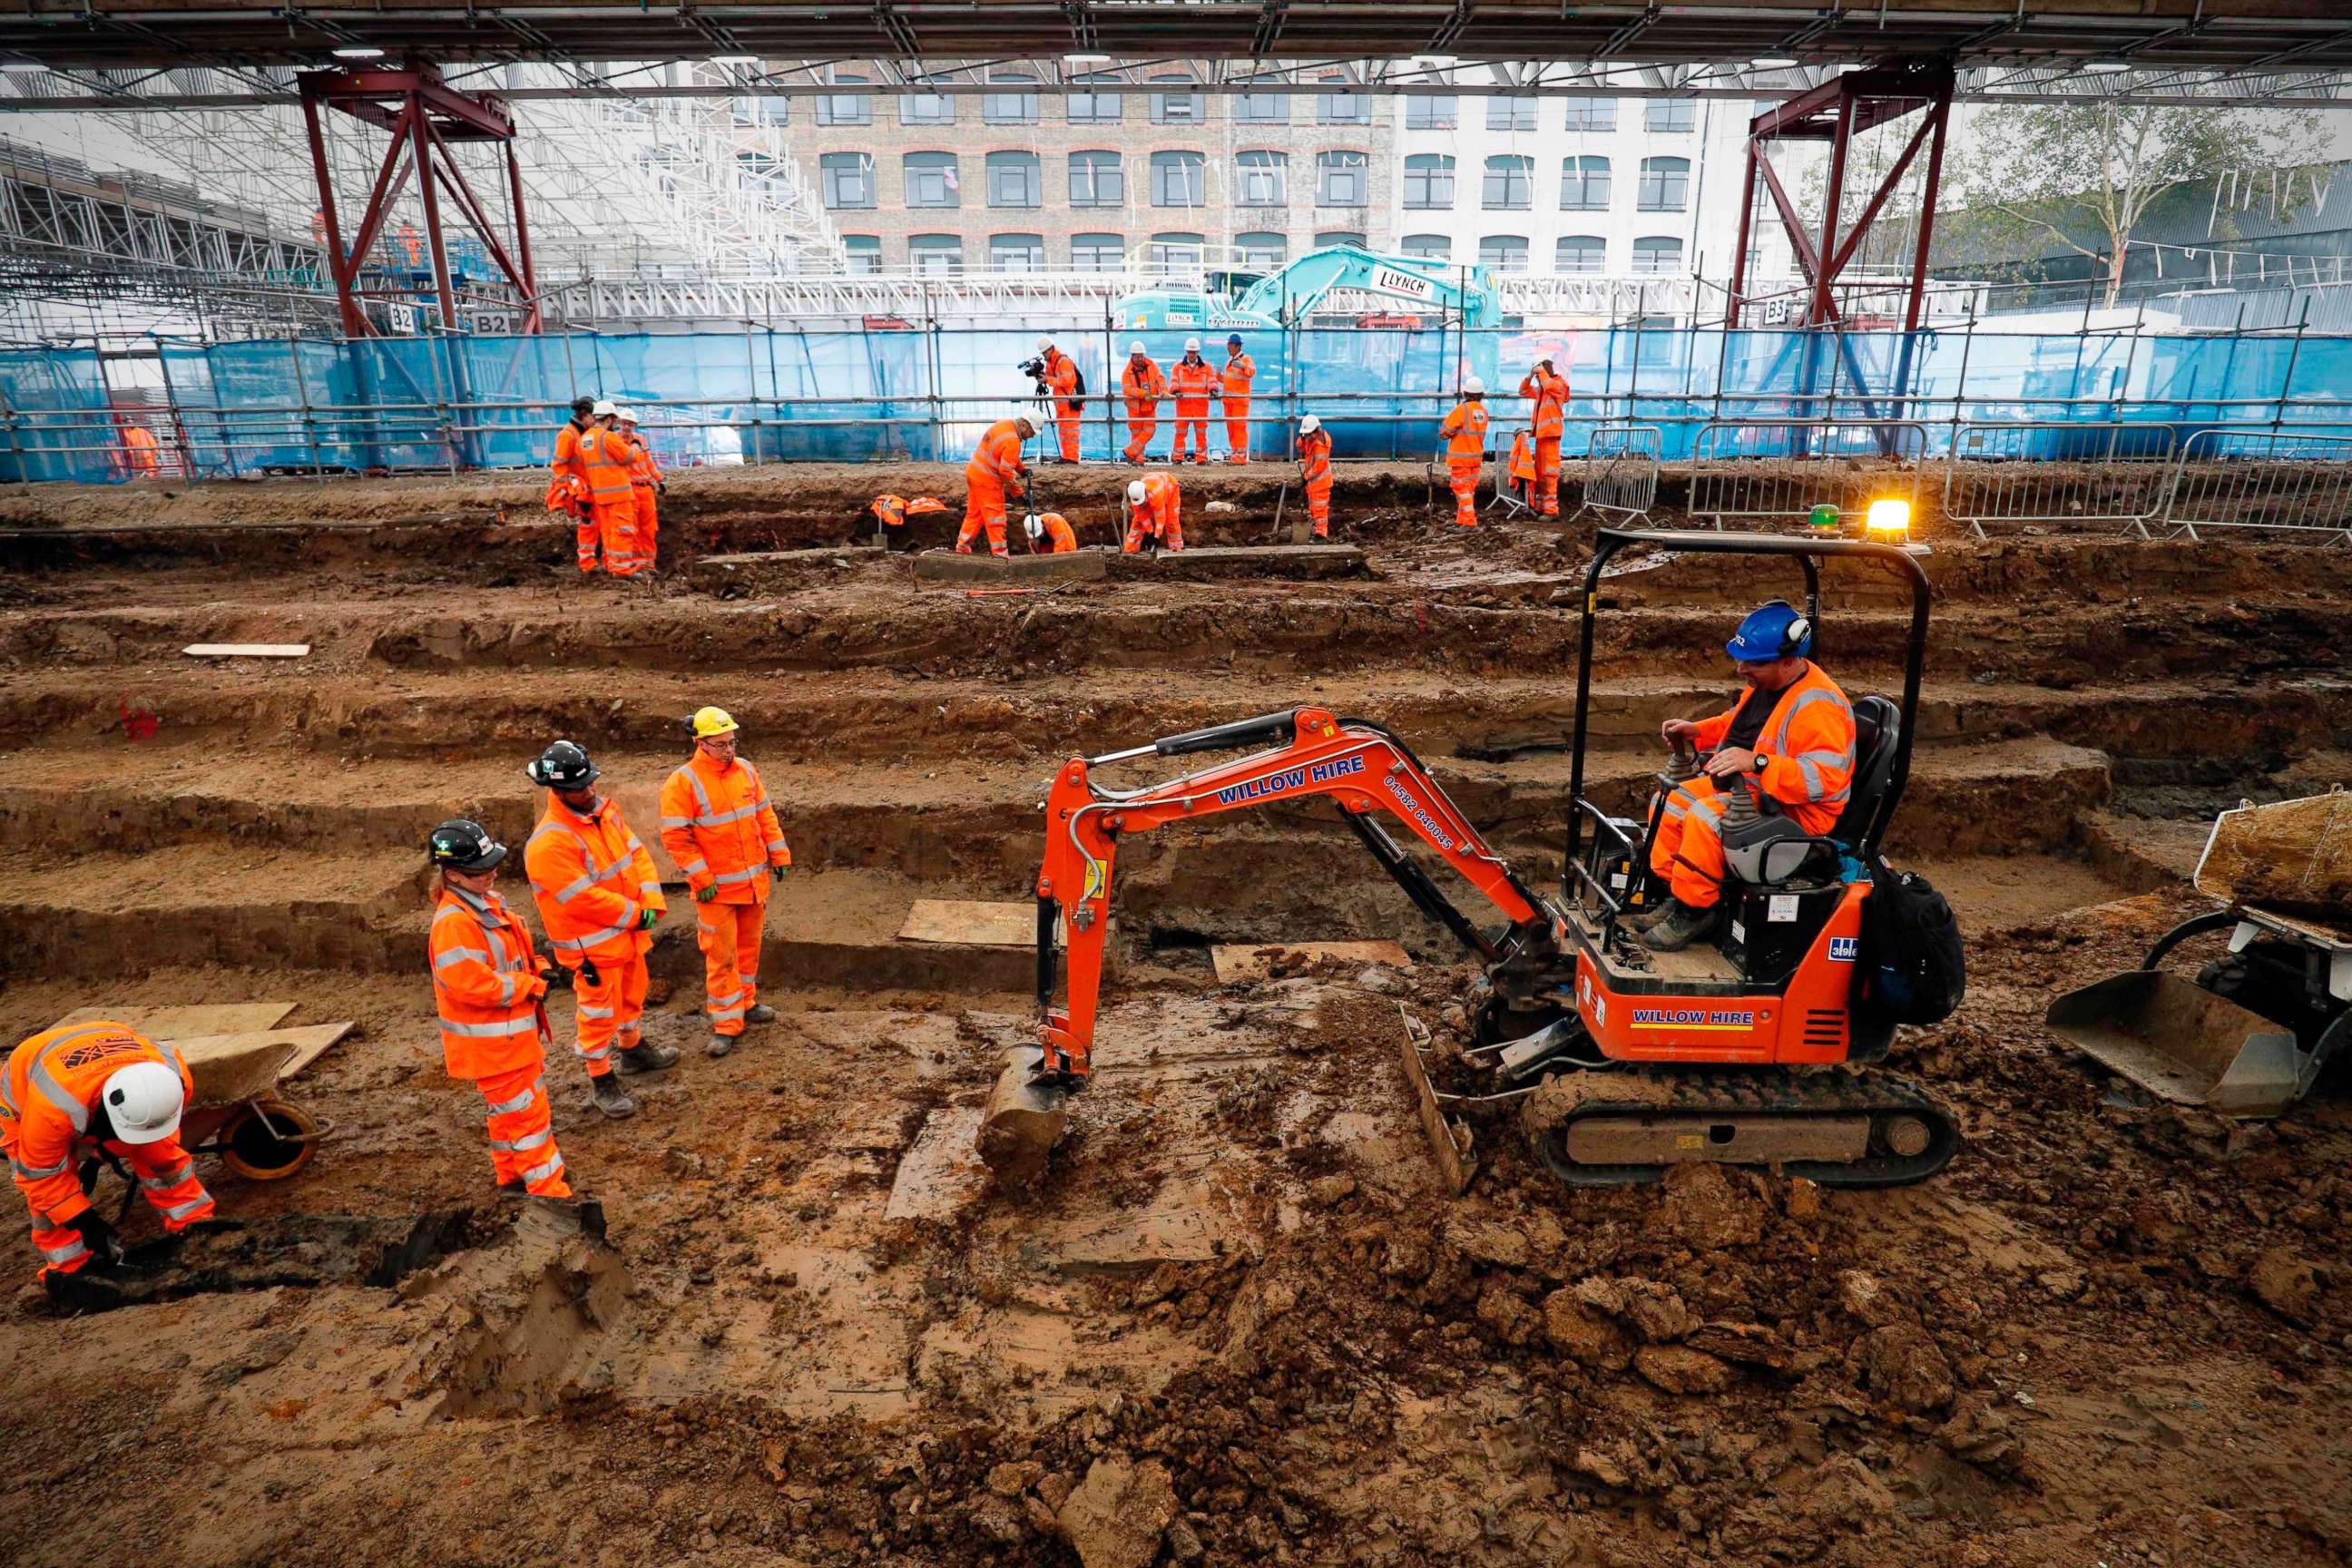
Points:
(1762, 470)
(2008, 473)
(2276, 481)
(1622, 464)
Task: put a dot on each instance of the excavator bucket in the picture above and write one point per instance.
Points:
(2183, 1043)
(1024, 1121)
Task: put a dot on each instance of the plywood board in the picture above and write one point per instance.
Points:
(970, 922)
(1241, 962)
(247, 651)
(940, 1176)
(183, 1023)
(307, 1042)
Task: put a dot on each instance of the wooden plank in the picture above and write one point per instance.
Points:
(1450, 1143)
(247, 651)
(940, 1176)
(970, 922)
(182, 1023)
(1238, 962)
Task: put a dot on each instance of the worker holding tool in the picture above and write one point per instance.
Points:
(1465, 430)
(1194, 382)
(81, 1093)
(1239, 371)
(1315, 473)
(1787, 743)
(1549, 392)
(604, 456)
(995, 475)
(1155, 508)
(567, 490)
(717, 825)
(1049, 532)
(645, 482)
(490, 992)
(598, 897)
(1143, 387)
(1062, 380)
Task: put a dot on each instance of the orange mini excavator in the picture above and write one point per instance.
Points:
(1626, 1060)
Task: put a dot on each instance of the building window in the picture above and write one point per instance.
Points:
(1342, 109)
(934, 254)
(1670, 114)
(848, 179)
(1176, 252)
(1591, 114)
(1098, 252)
(1665, 184)
(1331, 236)
(1510, 184)
(845, 107)
(1428, 246)
(931, 109)
(1504, 252)
(1342, 179)
(1658, 253)
(1264, 180)
(1428, 182)
(1584, 185)
(932, 180)
(863, 252)
(1097, 180)
(1016, 253)
(1180, 180)
(1014, 180)
(1581, 253)
(1435, 112)
(1261, 109)
(1009, 108)
(1510, 114)
(1261, 251)
(1179, 108)
(1094, 108)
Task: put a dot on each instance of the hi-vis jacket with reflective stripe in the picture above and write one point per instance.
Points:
(605, 459)
(996, 462)
(1806, 747)
(719, 828)
(46, 1095)
(590, 877)
(486, 985)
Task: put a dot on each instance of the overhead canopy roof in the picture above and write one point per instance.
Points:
(2187, 35)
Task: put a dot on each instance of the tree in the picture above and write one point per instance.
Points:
(2086, 175)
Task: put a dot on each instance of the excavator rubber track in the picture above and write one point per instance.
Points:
(1839, 1127)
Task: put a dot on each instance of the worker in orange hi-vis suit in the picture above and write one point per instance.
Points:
(1465, 430)
(1194, 382)
(79, 1091)
(568, 492)
(645, 482)
(717, 825)
(1143, 387)
(598, 897)
(605, 454)
(1239, 371)
(489, 989)
(1315, 472)
(1519, 468)
(1049, 532)
(895, 509)
(140, 460)
(1062, 380)
(1549, 392)
(1154, 511)
(994, 476)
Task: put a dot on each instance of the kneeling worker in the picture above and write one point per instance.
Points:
(598, 897)
(1049, 532)
(79, 1091)
(1789, 742)
(1155, 510)
(718, 826)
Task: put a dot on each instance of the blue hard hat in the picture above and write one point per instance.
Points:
(1772, 630)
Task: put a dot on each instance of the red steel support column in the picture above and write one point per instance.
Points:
(346, 306)
(1819, 310)
(533, 320)
(1942, 114)
(1739, 254)
(422, 152)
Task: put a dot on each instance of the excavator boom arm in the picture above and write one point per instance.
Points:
(1294, 293)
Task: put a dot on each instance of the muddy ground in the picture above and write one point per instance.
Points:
(1242, 1323)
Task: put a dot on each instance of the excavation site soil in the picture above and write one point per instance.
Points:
(1241, 1320)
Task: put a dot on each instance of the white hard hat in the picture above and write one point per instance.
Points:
(1044, 342)
(143, 1102)
(1136, 347)
(1192, 345)
(1034, 526)
(1472, 386)
(1025, 416)
(625, 416)
(603, 405)
(1308, 425)
(1135, 492)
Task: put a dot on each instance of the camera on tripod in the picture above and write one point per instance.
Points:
(1036, 371)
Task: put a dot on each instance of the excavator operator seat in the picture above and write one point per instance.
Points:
(1771, 851)
(1877, 725)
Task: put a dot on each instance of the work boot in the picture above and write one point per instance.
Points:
(646, 1056)
(760, 1013)
(611, 1098)
(511, 1187)
(1649, 915)
(721, 1044)
(1685, 924)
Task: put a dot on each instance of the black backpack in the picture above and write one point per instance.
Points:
(1912, 971)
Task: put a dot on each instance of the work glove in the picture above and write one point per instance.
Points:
(776, 873)
(661, 487)
(588, 972)
(645, 919)
(704, 895)
(98, 1235)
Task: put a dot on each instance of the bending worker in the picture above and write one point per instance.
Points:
(1549, 392)
(568, 490)
(1049, 532)
(996, 474)
(1194, 382)
(1063, 381)
(1465, 430)
(1239, 371)
(598, 897)
(1789, 742)
(718, 826)
(1315, 472)
(645, 482)
(487, 987)
(1154, 511)
(1143, 387)
(79, 1091)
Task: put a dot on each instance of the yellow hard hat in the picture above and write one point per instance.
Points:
(709, 721)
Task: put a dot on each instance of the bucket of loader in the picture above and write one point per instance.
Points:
(2183, 1043)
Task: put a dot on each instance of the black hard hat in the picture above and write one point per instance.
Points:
(463, 845)
(582, 404)
(564, 765)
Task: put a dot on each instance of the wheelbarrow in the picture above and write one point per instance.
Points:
(238, 1112)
